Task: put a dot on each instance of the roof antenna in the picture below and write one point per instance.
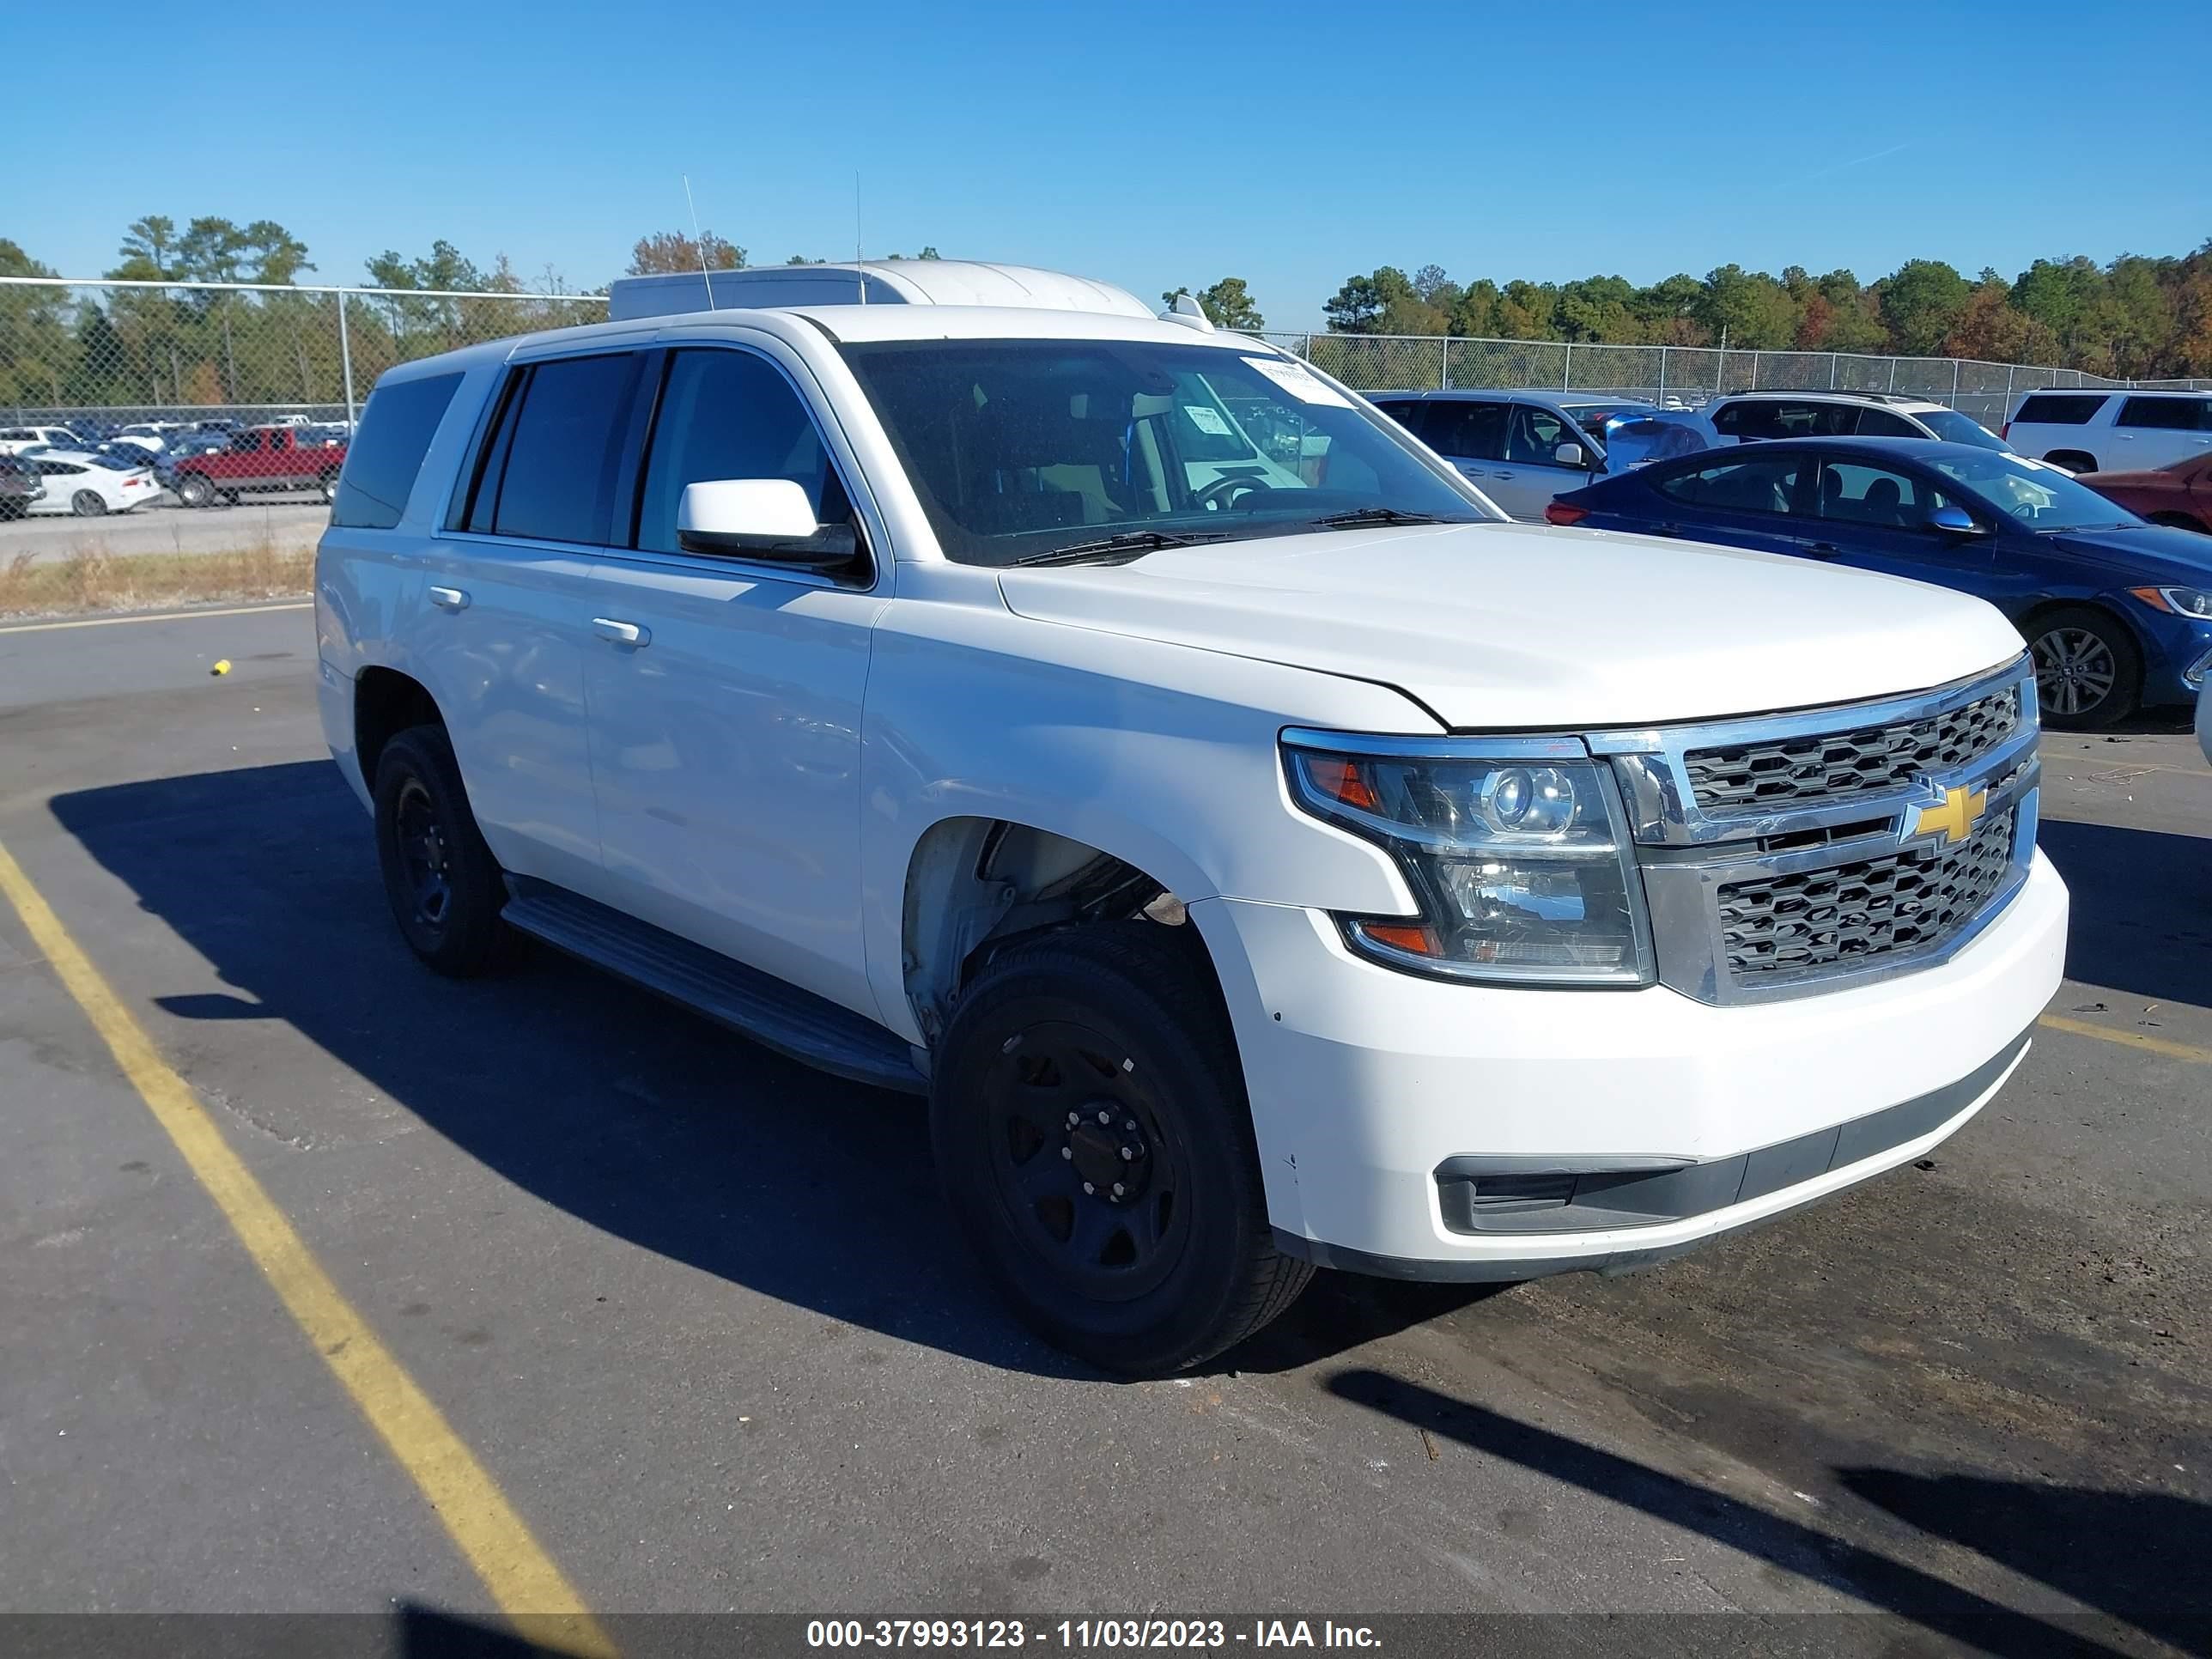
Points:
(858, 258)
(699, 241)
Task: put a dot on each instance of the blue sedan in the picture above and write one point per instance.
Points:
(2116, 612)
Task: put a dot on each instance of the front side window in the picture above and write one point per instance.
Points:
(2162, 414)
(729, 414)
(1853, 492)
(1880, 424)
(1020, 448)
(1953, 428)
(1534, 435)
(1767, 483)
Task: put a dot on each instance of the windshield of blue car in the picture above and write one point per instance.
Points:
(1953, 428)
(2041, 497)
(1018, 448)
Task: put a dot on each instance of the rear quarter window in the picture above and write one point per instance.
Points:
(387, 450)
(2166, 413)
(2047, 410)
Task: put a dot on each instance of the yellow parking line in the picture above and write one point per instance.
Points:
(2142, 1039)
(154, 617)
(496, 1541)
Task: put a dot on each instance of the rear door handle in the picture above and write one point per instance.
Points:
(449, 598)
(618, 632)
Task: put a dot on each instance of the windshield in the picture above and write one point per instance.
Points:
(1020, 447)
(2041, 497)
(1953, 428)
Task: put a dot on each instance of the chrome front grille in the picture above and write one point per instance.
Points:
(1777, 926)
(1823, 764)
(1789, 853)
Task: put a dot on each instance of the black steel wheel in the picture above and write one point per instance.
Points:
(2088, 673)
(1092, 1136)
(445, 888)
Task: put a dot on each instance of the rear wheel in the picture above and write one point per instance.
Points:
(1092, 1137)
(88, 503)
(2088, 673)
(444, 886)
(194, 490)
(328, 485)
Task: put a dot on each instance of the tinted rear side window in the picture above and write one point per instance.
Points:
(2051, 410)
(2166, 413)
(386, 452)
(1469, 431)
(1769, 483)
(561, 440)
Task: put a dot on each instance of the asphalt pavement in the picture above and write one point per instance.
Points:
(284, 523)
(696, 1315)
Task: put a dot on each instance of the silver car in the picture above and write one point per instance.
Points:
(1520, 448)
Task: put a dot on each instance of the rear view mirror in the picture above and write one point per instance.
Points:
(759, 519)
(1569, 455)
(1953, 521)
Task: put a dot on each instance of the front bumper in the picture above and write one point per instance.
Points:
(1366, 1083)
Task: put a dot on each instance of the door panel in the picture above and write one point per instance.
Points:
(1528, 479)
(1875, 518)
(1745, 497)
(727, 739)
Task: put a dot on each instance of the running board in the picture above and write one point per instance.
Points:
(794, 1023)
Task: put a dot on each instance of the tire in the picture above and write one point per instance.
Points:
(2074, 460)
(2089, 672)
(444, 886)
(327, 486)
(196, 489)
(87, 504)
(1121, 1028)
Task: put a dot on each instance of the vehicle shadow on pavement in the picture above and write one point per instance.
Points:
(2135, 1558)
(2142, 922)
(643, 1120)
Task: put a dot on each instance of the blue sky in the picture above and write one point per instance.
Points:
(1289, 144)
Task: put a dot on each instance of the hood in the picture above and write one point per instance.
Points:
(2138, 554)
(1499, 626)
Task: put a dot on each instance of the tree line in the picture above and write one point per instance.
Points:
(2137, 317)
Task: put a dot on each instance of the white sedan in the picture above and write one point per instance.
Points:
(89, 485)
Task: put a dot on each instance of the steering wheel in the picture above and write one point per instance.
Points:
(1219, 496)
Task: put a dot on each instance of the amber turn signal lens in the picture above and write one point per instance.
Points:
(1342, 779)
(1410, 937)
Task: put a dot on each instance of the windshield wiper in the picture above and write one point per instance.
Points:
(1364, 515)
(1117, 550)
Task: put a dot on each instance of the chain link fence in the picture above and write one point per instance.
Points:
(110, 353)
(121, 353)
(1688, 375)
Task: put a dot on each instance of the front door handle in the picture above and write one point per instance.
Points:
(449, 598)
(616, 631)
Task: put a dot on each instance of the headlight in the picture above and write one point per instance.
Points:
(2194, 602)
(1515, 849)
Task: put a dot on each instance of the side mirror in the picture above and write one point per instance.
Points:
(1953, 521)
(760, 518)
(1569, 455)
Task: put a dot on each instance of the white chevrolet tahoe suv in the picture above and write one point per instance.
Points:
(1260, 853)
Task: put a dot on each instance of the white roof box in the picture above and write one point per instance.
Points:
(889, 283)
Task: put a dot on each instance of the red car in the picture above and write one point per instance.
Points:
(2178, 494)
(261, 458)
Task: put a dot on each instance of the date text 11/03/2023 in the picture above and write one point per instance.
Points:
(1086, 1634)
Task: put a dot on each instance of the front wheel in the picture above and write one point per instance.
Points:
(194, 490)
(327, 486)
(2088, 673)
(87, 504)
(1092, 1137)
(444, 886)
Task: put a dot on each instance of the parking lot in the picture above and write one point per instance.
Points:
(283, 524)
(699, 1329)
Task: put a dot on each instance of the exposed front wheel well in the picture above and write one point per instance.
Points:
(975, 887)
(386, 702)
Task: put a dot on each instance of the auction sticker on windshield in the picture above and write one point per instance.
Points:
(1294, 379)
(1206, 419)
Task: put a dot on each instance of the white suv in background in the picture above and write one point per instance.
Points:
(2112, 431)
(1254, 868)
(1747, 417)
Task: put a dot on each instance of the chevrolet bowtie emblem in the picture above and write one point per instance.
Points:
(1954, 816)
